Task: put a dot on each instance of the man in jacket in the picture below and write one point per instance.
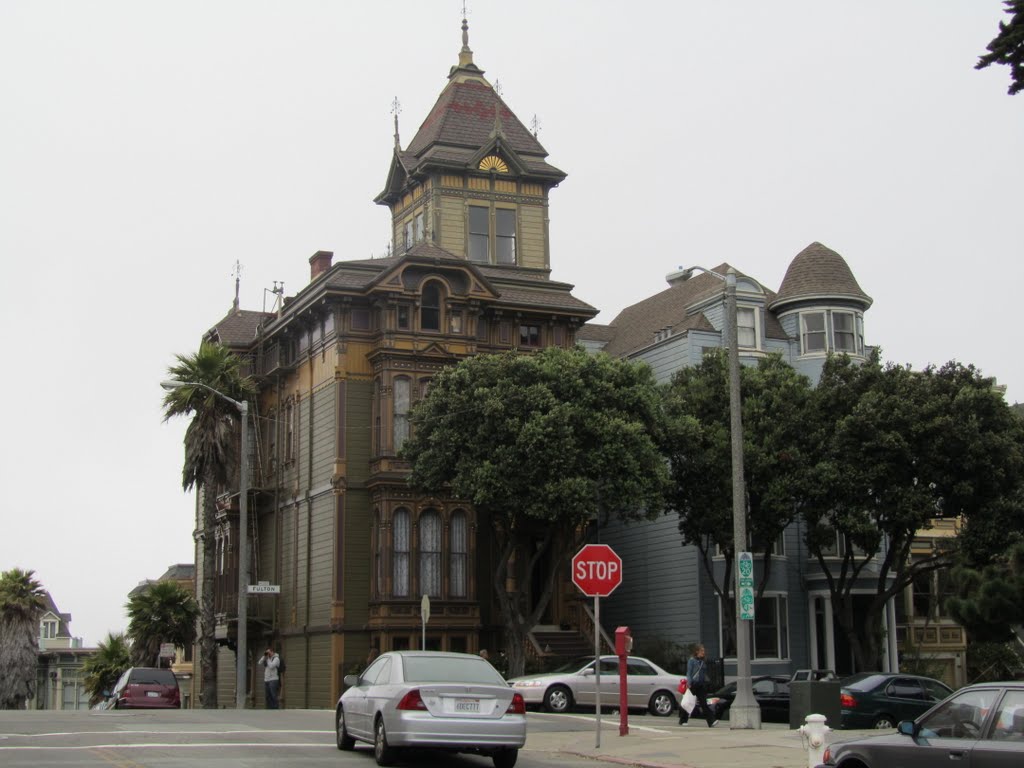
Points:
(271, 679)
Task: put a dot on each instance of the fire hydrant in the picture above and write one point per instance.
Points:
(812, 733)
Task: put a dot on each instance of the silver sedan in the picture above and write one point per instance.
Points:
(648, 686)
(430, 700)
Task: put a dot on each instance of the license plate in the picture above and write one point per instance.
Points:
(153, 694)
(467, 705)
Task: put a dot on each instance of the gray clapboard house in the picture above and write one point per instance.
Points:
(819, 309)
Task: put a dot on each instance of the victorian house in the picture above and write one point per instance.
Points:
(819, 309)
(339, 366)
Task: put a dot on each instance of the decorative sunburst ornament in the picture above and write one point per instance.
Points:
(493, 163)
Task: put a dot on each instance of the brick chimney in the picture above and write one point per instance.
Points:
(319, 263)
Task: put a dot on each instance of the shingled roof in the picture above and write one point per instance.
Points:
(470, 116)
(818, 272)
(238, 327)
(636, 326)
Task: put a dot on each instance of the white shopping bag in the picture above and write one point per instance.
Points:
(689, 701)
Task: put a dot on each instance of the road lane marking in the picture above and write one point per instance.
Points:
(169, 745)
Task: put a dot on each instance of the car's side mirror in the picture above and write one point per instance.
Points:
(351, 681)
(907, 728)
(588, 671)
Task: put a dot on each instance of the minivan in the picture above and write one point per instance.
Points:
(146, 688)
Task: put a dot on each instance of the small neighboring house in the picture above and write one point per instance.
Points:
(59, 679)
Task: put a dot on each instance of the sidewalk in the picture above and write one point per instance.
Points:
(663, 744)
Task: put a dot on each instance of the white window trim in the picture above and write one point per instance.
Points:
(830, 331)
(756, 310)
(778, 627)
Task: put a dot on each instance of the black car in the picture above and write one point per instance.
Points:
(981, 726)
(770, 691)
(882, 699)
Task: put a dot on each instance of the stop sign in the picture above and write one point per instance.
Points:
(597, 570)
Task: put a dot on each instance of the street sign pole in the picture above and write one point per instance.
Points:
(597, 572)
(425, 617)
(597, 667)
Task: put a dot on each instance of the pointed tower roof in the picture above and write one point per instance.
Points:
(468, 120)
(818, 273)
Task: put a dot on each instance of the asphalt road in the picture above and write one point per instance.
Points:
(217, 738)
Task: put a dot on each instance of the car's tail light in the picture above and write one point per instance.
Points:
(827, 756)
(412, 700)
(846, 701)
(518, 705)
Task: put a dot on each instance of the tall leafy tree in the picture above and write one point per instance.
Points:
(1008, 46)
(211, 459)
(103, 668)
(897, 448)
(697, 440)
(22, 601)
(541, 445)
(164, 612)
(989, 601)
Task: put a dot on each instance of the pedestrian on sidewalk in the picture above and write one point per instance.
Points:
(698, 679)
(271, 679)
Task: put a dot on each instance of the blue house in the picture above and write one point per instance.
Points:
(667, 593)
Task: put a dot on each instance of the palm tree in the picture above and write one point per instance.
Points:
(102, 669)
(211, 455)
(22, 601)
(164, 612)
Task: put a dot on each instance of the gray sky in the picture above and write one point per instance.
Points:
(147, 146)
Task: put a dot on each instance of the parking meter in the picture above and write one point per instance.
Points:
(623, 647)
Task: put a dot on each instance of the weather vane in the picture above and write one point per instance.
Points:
(535, 126)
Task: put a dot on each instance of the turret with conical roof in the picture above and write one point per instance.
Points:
(473, 180)
(818, 273)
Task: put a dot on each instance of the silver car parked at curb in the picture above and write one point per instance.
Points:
(453, 702)
(649, 686)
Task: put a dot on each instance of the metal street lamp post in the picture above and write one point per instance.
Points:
(241, 643)
(744, 711)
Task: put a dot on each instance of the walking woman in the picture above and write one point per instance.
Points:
(697, 675)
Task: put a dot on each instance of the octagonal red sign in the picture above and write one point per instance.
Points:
(597, 570)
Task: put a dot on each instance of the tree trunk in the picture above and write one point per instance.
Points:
(207, 619)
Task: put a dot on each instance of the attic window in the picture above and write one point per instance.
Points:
(493, 163)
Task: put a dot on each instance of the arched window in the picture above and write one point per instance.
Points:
(430, 308)
(457, 535)
(400, 553)
(430, 553)
(400, 424)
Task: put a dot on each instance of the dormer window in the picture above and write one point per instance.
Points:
(746, 327)
(48, 629)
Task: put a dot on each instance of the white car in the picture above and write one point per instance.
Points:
(648, 686)
(453, 702)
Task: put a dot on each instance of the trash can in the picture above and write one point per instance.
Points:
(814, 692)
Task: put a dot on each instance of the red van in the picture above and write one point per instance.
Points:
(146, 688)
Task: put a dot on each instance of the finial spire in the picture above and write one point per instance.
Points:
(237, 271)
(465, 55)
(396, 108)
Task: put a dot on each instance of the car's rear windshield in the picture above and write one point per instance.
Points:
(432, 669)
(862, 682)
(145, 676)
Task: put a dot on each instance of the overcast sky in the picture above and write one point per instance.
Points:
(147, 146)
